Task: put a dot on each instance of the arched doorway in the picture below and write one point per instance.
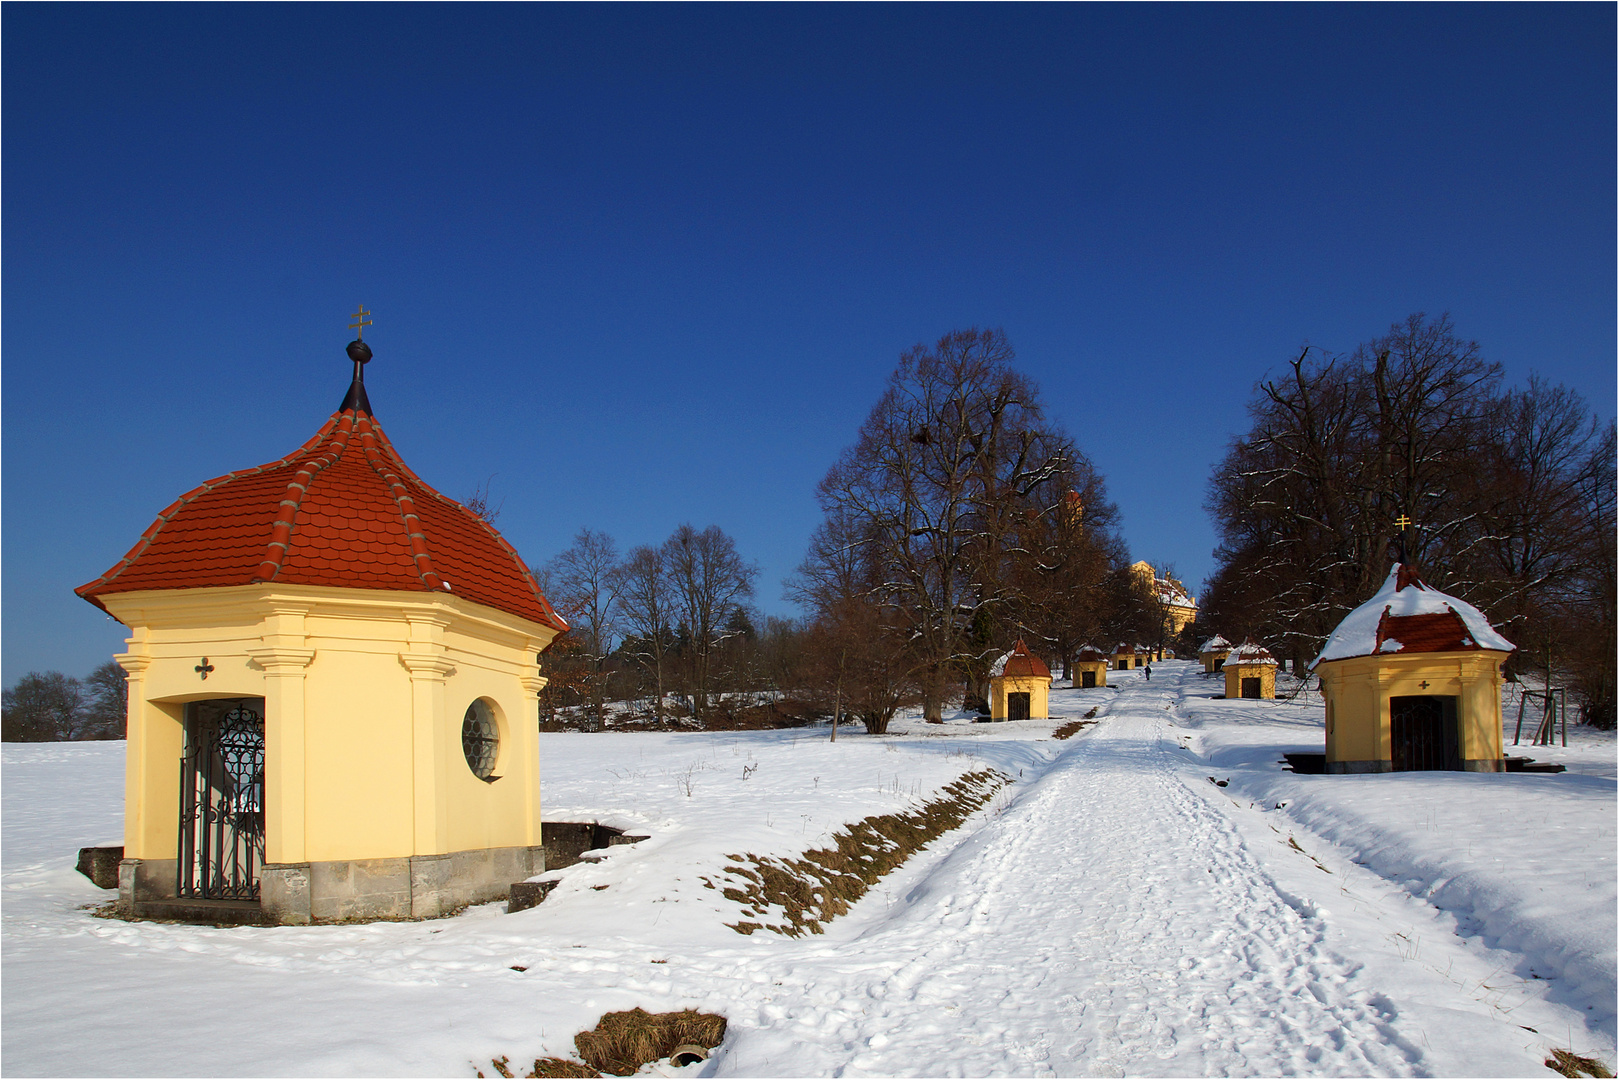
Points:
(1423, 733)
(222, 800)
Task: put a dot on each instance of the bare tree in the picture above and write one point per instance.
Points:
(708, 582)
(585, 582)
(1063, 567)
(106, 707)
(45, 707)
(857, 656)
(949, 472)
(647, 605)
(1500, 488)
(478, 501)
(1339, 450)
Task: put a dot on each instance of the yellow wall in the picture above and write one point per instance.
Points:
(1357, 693)
(1212, 658)
(364, 692)
(1098, 666)
(1235, 673)
(1037, 687)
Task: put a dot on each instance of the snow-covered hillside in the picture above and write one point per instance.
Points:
(1112, 910)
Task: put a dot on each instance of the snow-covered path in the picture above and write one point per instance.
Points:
(1124, 915)
(1112, 921)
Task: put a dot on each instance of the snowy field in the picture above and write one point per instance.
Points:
(1112, 911)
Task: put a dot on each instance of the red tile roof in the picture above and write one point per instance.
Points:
(1441, 632)
(1020, 663)
(1251, 653)
(341, 510)
(1408, 616)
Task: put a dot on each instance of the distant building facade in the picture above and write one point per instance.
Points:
(1180, 607)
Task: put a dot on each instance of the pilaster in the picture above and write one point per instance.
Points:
(150, 761)
(285, 660)
(429, 665)
(532, 683)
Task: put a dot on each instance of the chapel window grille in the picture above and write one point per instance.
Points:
(480, 740)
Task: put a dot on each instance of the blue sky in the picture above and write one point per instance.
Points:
(646, 265)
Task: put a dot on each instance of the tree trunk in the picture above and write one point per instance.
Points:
(657, 707)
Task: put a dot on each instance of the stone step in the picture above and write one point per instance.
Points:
(210, 912)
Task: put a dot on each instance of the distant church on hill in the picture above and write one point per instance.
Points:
(1179, 605)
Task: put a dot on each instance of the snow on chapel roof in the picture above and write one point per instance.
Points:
(1214, 644)
(1251, 653)
(1406, 616)
(1019, 663)
(342, 510)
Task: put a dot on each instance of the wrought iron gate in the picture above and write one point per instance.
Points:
(222, 800)
(1423, 733)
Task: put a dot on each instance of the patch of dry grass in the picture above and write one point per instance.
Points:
(1069, 730)
(1568, 1063)
(622, 1043)
(799, 895)
(555, 1066)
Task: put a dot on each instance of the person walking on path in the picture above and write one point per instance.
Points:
(1149, 673)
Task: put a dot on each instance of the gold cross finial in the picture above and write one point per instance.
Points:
(360, 323)
(1403, 522)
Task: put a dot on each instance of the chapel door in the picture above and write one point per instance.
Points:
(1250, 687)
(222, 800)
(1087, 679)
(1017, 706)
(1423, 733)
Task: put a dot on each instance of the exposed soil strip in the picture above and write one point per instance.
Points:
(799, 895)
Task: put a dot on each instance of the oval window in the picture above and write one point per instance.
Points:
(480, 740)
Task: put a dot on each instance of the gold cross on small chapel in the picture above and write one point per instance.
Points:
(1403, 522)
(360, 323)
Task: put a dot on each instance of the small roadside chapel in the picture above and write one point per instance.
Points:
(1089, 668)
(1412, 680)
(1019, 686)
(1213, 653)
(1250, 672)
(1124, 657)
(333, 680)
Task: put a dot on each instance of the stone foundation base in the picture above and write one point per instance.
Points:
(1479, 765)
(1360, 766)
(350, 890)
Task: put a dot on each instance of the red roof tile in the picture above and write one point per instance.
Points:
(341, 510)
(1440, 632)
(1020, 663)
